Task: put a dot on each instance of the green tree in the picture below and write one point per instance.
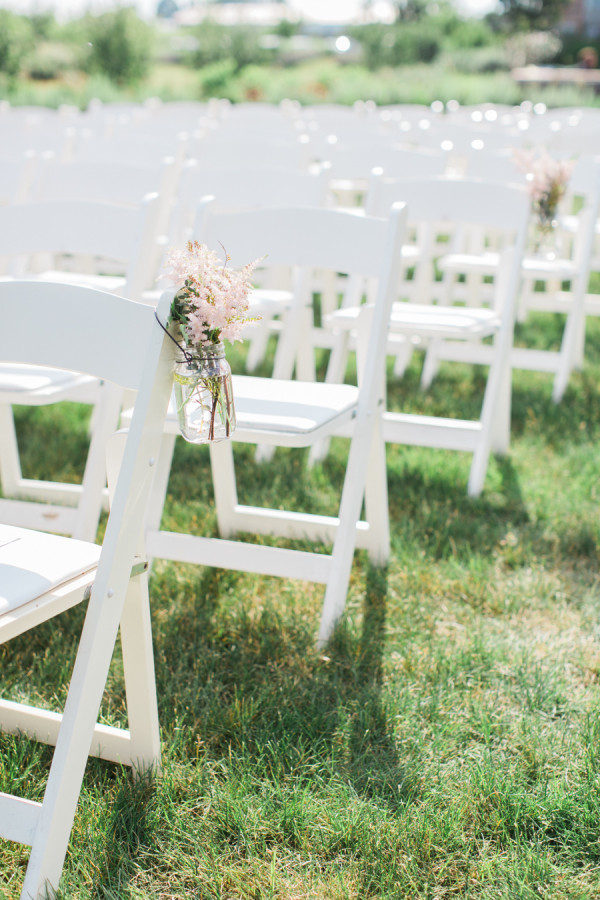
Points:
(120, 45)
(411, 10)
(234, 42)
(398, 45)
(16, 41)
(530, 15)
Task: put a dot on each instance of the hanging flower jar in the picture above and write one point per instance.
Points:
(204, 394)
(210, 306)
(546, 179)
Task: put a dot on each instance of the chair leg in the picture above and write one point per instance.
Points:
(10, 465)
(336, 368)
(344, 545)
(376, 500)
(140, 683)
(94, 655)
(495, 423)
(224, 486)
(402, 352)
(571, 349)
(431, 363)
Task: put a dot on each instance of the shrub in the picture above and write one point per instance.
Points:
(215, 78)
(571, 45)
(237, 43)
(120, 46)
(476, 61)
(466, 33)
(402, 44)
(49, 60)
(16, 40)
(532, 48)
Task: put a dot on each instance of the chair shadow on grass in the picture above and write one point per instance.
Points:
(269, 687)
(249, 686)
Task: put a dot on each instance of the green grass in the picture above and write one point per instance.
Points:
(445, 745)
(322, 80)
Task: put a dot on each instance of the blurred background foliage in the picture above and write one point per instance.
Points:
(430, 52)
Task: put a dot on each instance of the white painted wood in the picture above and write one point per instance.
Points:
(573, 265)
(108, 743)
(301, 413)
(471, 212)
(124, 233)
(244, 557)
(18, 818)
(123, 341)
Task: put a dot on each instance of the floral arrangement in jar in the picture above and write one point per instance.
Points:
(210, 306)
(546, 179)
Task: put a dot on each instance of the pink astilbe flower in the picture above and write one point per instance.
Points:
(212, 300)
(546, 179)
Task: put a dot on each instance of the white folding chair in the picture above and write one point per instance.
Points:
(572, 264)
(457, 208)
(115, 232)
(41, 574)
(298, 413)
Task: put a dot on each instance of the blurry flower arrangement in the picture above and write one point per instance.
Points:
(211, 305)
(547, 180)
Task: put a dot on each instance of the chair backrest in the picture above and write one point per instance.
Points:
(311, 237)
(357, 161)
(237, 188)
(56, 137)
(106, 335)
(110, 231)
(216, 150)
(449, 202)
(583, 192)
(310, 241)
(110, 182)
(118, 340)
(133, 145)
(470, 200)
(493, 165)
(471, 214)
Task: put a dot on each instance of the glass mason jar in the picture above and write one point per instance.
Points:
(204, 394)
(546, 238)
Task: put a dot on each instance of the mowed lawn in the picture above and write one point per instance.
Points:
(444, 745)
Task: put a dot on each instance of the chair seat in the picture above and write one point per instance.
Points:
(418, 319)
(295, 413)
(39, 383)
(481, 263)
(34, 562)
(539, 267)
(487, 263)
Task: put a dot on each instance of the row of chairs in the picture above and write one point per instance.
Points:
(118, 352)
(119, 342)
(110, 232)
